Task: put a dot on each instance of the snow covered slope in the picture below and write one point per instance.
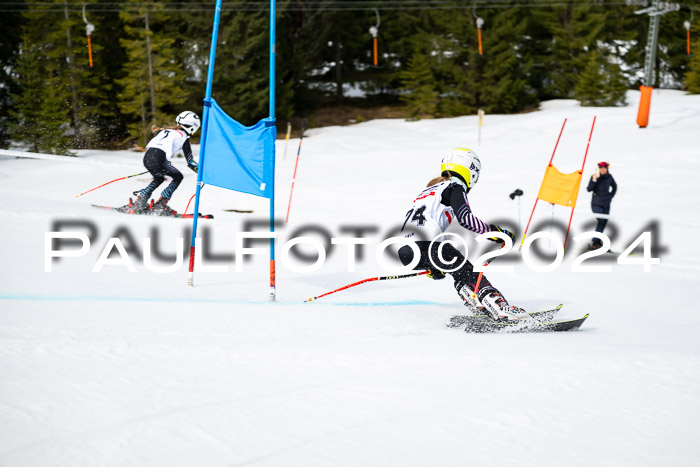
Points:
(134, 368)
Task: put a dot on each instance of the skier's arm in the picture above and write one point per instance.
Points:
(457, 198)
(187, 150)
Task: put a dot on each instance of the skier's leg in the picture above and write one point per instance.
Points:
(161, 206)
(158, 179)
(465, 278)
(489, 298)
(154, 160)
(447, 259)
(176, 176)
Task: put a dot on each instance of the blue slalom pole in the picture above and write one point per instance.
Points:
(273, 22)
(203, 137)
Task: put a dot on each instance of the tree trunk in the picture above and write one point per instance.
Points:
(150, 70)
(338, 72)
(144, 122)
(77, 139)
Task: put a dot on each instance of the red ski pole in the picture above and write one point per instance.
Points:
(294, 177)
(115, 180)
(371, 279)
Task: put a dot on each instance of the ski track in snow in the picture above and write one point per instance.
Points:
(120, 369)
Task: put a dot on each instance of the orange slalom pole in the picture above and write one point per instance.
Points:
(374, 39)
(688, 41)
(89, 49)
(481, 52)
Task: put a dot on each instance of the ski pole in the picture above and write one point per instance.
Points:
(385, 278)
(294, 177)
(115, 180)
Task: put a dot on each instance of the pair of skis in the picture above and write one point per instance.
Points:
(148, 212)
(537, 321)
(129, 210)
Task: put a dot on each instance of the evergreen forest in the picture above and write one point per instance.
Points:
(150, 59)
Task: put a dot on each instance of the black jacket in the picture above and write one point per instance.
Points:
(603, 190)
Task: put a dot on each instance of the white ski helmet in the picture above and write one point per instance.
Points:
(189, 121)
(462, 162)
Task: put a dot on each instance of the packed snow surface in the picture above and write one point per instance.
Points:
(117, 368)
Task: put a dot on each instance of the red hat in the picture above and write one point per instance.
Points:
(603, 164)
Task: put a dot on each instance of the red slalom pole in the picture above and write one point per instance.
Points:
(115, 180)
(371, 279)
(590, 135)
(556, 145)
(296, 164)
(188, 203)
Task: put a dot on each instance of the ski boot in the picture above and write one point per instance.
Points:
(471, 301)
(135, 207)
(595, 244)
(127, 207)
(499, 309)
(141, 203)
(161, 208)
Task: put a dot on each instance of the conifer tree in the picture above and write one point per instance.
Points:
(601, 83)
(303, 37)
(498, 79)
(672, 61)
(10, 46)
(39, 117)
(241, 75)
(80, 87)
(623, 40)
(152, 86)
(53, 34)
(692, 77)
(345, 47)
(419, 87)
(572, 32)
(447, 49)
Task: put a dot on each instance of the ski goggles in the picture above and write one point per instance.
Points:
(603, 164)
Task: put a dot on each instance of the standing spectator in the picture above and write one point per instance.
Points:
(603, 186)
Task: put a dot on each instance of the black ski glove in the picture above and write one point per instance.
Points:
(495, 228)
(193, 165)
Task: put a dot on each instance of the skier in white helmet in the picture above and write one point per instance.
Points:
(167, 142)
(444, 200)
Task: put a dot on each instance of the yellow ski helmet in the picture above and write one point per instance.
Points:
(463, 163)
